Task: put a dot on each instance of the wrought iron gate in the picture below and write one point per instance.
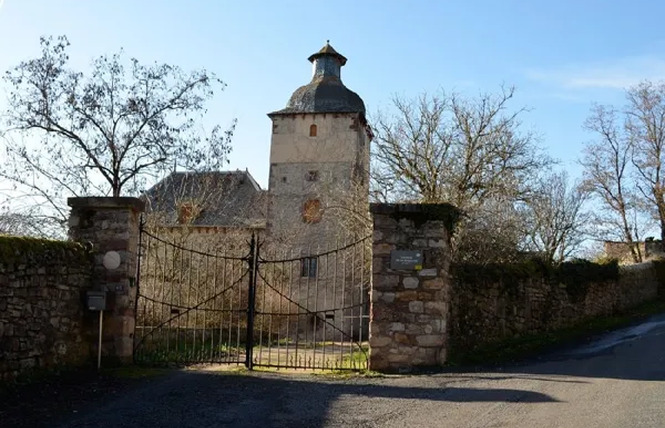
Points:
(198, 303)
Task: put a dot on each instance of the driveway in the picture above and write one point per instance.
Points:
(617, 380)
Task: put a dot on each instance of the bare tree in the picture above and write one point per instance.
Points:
(555, 218)
(645, 127)
(448, 148)
(467, 152)
(107, 132)
(492, 233)
(607, 165)
(12, 223)
(22, 218)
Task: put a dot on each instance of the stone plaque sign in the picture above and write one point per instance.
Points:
(406, 259)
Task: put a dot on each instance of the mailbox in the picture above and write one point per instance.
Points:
(96, 300)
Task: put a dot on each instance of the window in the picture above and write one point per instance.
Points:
(308, 267)
(185, 213)
(312, 130)
(311, 211)
(312, 176)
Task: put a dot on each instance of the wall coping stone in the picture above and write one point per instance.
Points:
(123, 202)
(420, 213)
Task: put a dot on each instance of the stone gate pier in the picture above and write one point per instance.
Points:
(111, 226)
(410, 296)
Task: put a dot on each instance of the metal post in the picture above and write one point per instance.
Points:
(253, 263)
(99, 345)
(138, 283)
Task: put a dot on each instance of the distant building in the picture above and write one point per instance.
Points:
(318, 191)
(651, 248)
(208, 201)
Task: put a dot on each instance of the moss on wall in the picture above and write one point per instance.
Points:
(575, 275)
(43, 320)
(493, 304)
(476, 275)
(18, 249)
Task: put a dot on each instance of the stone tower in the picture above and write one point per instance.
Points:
(319, 161)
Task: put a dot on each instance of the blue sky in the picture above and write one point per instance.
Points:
(561, 56)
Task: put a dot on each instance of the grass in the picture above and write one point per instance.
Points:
(322, 373)
(357, 358)
(160, 351)
(347, 374)
(516, 349)
(155, 352)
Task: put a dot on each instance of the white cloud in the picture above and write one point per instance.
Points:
(616, 74)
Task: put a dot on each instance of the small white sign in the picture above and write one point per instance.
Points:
(111, 260)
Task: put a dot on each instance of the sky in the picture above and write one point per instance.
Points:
(561, 56)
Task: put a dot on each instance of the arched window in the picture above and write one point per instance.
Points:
(312, 130)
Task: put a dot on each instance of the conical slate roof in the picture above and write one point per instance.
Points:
(328, 50)
(325, 93)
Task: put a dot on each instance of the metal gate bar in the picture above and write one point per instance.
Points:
(320, 319)
(304, 312)
(182, 307)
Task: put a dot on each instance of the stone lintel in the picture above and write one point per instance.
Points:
(118, 203)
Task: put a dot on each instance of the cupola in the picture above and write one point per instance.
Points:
(325, 93)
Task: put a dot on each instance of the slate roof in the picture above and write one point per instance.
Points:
(323, 97)
(325, 93)
(220, 198)
(328, 50)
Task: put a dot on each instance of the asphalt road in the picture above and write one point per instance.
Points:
(615, 381)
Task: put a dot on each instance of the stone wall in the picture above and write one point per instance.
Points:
(410, 301)
(424, 311)
(43, 321)
(494, 305)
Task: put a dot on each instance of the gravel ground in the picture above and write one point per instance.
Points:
(615, 381)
